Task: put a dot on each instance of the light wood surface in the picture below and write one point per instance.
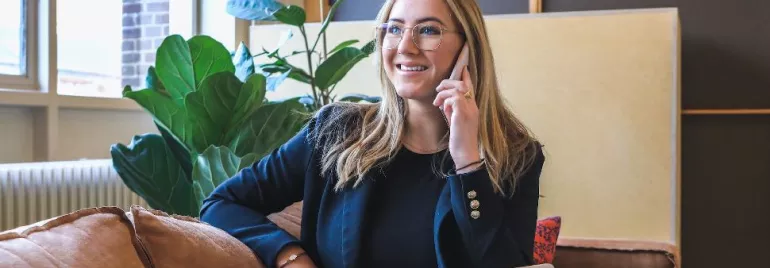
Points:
(316, 10)
(535, 6)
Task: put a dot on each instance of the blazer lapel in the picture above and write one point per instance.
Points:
(443, 207)
(354, 207)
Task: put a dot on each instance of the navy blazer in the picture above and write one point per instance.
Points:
(502, 235)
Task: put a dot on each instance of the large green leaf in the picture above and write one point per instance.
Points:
(178, 149)
(343, 45)
(244, 62)
(253, 9)
(152, 80)
(281, 66)
(300, 75)
(291, 14)
(164, 110)
(208, 57)
(272, 125)
(276, 80)
(360, 97)
(214, 166)
(174, 67)
(149, 169)
(337, 66)
(222, 105)
(369, 47)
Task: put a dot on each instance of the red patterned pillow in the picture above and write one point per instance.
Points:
(546, 235)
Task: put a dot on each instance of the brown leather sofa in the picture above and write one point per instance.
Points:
(112, 237)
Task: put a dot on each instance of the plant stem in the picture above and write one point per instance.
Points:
(326, 54)
(310, 66)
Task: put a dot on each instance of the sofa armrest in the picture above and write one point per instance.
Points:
(601, 253)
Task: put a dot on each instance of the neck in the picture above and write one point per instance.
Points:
(425, 127)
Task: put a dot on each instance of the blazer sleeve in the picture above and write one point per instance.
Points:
(240, 205)
(503, 234)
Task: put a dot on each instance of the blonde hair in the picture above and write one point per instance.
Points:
(367, 136)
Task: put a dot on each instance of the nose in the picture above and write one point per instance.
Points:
(407, 45)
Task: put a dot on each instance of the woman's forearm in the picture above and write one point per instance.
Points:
(293, 256)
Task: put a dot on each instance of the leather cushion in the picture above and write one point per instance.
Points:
(289, 219)
(93, 237)
(179, 241)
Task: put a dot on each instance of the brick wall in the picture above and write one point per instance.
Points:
(145, 24)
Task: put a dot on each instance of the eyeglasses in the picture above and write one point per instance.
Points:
(426, 36)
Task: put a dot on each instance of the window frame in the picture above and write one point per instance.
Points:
(38, 89)
(29, 80)
(42, 62)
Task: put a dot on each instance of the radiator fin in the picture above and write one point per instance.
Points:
(31, 192)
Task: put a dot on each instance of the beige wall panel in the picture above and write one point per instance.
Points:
(16, 135)
(88, 134)
(601, 92)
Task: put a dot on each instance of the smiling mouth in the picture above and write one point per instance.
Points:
(405, 68)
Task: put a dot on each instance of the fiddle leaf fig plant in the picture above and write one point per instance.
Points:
(210, 108)
(332, 66)
(213, 119)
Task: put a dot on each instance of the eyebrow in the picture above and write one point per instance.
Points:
(425, 19)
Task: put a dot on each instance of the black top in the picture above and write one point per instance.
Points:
(402, 210)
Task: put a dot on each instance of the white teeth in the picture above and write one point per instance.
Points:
(413, 68)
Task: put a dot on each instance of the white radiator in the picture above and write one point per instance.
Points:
(31, 192)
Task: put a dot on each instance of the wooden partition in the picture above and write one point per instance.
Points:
(600, 89)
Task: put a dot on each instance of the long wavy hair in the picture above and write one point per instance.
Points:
(367, 136)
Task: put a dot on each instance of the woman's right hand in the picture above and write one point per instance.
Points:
(302, 261)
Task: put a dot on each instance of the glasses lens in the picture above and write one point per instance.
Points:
(391, 35)
(427, 36)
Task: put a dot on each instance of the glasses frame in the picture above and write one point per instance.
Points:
(443, 29)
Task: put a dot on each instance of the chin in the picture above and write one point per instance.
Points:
(415, 93)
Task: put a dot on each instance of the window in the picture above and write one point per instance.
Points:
(107, 44)
(12, 38)
(17, 69)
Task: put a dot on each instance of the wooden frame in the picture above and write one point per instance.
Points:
(535, 6)
(726, 112)
(316, 10)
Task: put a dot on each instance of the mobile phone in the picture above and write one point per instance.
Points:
(462, 61)
(457, 71)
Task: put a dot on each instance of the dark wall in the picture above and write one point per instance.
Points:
(367, 9)
(726, 192)
(725, 158)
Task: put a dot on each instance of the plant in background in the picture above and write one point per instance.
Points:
(210, 109)
(213, 119)
(322, 78)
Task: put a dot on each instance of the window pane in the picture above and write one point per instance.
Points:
(102, 51)
(12, 52)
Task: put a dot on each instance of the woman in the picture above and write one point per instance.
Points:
(413, 181)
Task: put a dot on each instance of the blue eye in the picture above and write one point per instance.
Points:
(394, 29)
(430, 30)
